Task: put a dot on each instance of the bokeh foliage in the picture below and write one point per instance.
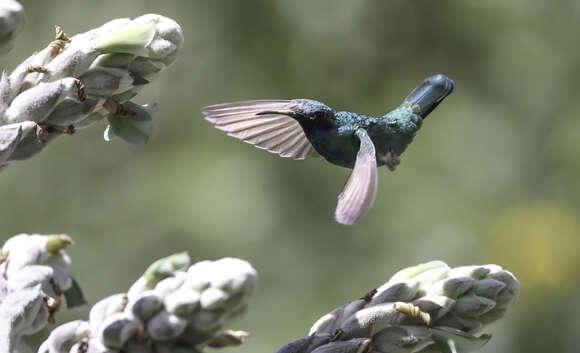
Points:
(491, 177)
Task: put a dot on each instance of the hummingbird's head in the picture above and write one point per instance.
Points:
(305, 110)
(429, 93)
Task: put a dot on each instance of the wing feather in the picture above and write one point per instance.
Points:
(358, 194)
(275, 133)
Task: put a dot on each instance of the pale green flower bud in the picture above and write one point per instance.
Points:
(170, 316)
(11, 21)
(429, 296)
(77, 81)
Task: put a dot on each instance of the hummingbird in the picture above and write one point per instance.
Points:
(301, 128)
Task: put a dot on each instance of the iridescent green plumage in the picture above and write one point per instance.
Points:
(300, 127)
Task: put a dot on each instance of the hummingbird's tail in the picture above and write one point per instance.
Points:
(429, 93)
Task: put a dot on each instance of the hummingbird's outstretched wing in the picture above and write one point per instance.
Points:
(275, 133)
(358, 194)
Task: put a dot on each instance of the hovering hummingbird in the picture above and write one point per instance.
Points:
(301, 128)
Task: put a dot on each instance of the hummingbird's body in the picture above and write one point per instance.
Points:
(333, 135)
(299, 128)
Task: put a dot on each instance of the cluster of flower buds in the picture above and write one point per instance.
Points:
(172, 308)
(77, 81)
(11, 21)
(429, 308)
(33, 278)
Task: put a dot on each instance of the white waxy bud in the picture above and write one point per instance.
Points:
(11, 21)
(331, 321)
(356, 345)
(472, 306)
(33, 275)
(145, 306)
(164, 326)
(182, 302)
(508, 278)
(137, 288)
(170, 284)
(71, 111)
(398, 292)
(18, 310)
(368, 321)
(30, 144)
(435, 306)
(198, 276)
(212, 298)
(73, 61)
(24, 250)
(451, 287)
(106, 307)
(233, 275)
(62, 338)
(116, 330)
(401, 339)
(476, 272)
(488, 288)
(207, 320)
(105, 82)
(146, 68)
(39, 321)
(36, 103)
(9, 137)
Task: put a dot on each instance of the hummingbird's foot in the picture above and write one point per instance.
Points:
(391, 160)
(368, 296)
(414, 312)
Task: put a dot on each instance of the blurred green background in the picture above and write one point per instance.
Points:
(492, 177)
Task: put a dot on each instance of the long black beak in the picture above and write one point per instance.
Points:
(429, 93)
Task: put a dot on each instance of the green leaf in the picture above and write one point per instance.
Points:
(130, 40)
(136, 129)
(451, 340)
(74, 295)
(166, 267)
